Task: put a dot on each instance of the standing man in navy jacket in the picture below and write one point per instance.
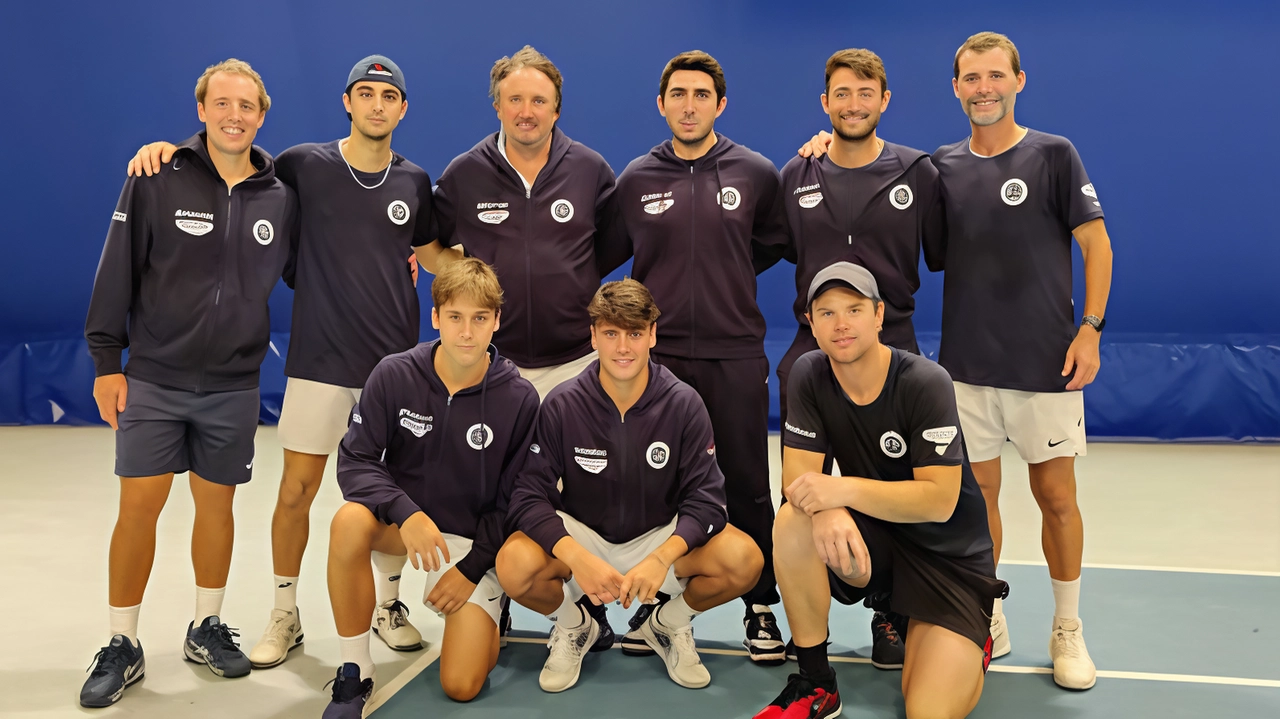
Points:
(426, 469)
(641, 516)
(703, 217)
(190, 259)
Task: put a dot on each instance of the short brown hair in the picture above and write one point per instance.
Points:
(467, 278)
(526, 57)
(233, 67)
(865, 64)
(985, 41)
(694, 60)
(625, 303)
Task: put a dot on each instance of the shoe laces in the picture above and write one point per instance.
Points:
(563, 646)
(219, 637)
(109, 659)
(890, 631)
(1070, 643)
(397, 614)
(682, 641)
(347, 688)
(798, 689)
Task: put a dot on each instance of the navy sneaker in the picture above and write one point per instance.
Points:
(888, 644)
(350, 693)
(633, 643)
(764, 639)
(601, 615)
(116, 667)
(211, 643)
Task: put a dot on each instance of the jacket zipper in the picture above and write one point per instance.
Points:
(693, 265)
(528, 270)
(622, 479)
(217, 294)
(444, 425)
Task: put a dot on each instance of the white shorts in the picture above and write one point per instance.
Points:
(545, 379)
(315, 415)
(1041, 425)
(488, 593)
(624, 557)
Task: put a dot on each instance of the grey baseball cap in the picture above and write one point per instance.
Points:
(377, 68)
(844, 274)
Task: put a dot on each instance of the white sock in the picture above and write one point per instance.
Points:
(569, 615)
(998, 607)
(286, 593)
(387, 569)
(355, 650)
(1066, 599)
(124, 620)
(208, 603)
(676, 613)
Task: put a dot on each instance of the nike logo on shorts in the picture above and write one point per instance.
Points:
(1055, 444)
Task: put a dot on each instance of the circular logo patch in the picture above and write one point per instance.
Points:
(658, 454)
(562, 210)
(479, 436)
(893, 444)
(900, 197)
(263, 232)
(398, 212)
(729, 198)
(1013, 192)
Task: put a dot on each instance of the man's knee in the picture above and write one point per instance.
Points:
(1056, 494)
(461, 685)
(792, 534)
(352, 528)
(518, 562)
(741, 560)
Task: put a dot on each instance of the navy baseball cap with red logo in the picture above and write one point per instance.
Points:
(377, 68)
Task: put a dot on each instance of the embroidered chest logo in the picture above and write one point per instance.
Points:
(492, 213)
(416, 423)
(263, 232)
(892, 444)
(901, 197)
(940, 436)
(811, 200)
(398, 211)
(658, 454)
(479, 436)
(729, 198)
(194, 223)
(1013, 192)
(657, 203)
(592, 460)
(562, 210)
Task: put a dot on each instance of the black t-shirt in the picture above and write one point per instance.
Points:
(354, 300)
(913, 423)
(1007, 317)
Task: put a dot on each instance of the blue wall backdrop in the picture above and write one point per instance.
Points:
(1170, 104)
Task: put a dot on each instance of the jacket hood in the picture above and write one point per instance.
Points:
(488, 148)
(501, 370)
(661, 380)
(195, 146)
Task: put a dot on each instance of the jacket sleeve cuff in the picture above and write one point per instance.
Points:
(400, 509)
(690, 530)
(548, 533)
(106, 361)
(474, 566)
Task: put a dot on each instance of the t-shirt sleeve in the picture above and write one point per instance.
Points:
(424, 227)
(803, 429)
(770, 238)
(1077, 200)
(443, 209)
(287, 164)
(934, 423)
(933, 224)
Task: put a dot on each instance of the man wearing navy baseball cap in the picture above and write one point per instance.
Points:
(364, 209)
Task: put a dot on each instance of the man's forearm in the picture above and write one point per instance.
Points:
(903, 502)
(434, 256)
(671, 550)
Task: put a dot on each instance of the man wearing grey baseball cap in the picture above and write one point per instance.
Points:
(905, 522)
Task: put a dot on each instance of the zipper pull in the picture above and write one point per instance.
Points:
(217, 295)
(850, 239)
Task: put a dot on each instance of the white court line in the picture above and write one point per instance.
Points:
(410, 673)
(1148, 568)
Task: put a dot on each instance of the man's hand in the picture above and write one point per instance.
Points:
(597, 578)
(422, 538)
(413, 269)
(150, 158)
(451, 592)
(813, 492)
(817, 145)
(1084, 357)
(643, 581)
(839, 542)
(111, 391)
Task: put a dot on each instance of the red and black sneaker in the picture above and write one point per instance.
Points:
(803, 699)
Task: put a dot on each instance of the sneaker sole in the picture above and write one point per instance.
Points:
(576, 672)
(109, 701)
(635, 647)
(886, 667)
(296, 643)
(1077, 689)
(402, 647)
(652, 641)
(197, 659)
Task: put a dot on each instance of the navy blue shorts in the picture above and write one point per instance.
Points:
(164, 430)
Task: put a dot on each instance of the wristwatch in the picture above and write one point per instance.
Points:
(1095, 322)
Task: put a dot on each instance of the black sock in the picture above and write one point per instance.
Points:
(815, 667)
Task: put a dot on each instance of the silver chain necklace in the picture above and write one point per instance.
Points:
(341, 146)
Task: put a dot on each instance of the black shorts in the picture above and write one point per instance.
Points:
(955, 593)
(164, 430)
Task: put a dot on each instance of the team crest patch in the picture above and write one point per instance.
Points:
(893, 444)
(479, 436)
(941, 436)
(811, 200)
(398, 211)
(901, 197)
(594, 465)
(535, 449)
(729, 198)
(562, 210)
(263, 232)
(658, 454)
(1013, 192)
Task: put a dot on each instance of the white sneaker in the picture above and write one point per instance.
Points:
(564, 660)
(1072, 667)
(391, 624)
(1000, 645)
(677, 649)
(282, 635)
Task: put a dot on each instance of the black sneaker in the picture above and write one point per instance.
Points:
(764, 639)
(115, 667)
(803, 699)
(633, 644)
(211, 643)
(350, 693)
(504, 621)
(888, 645)
(599, 613)
(791, 651)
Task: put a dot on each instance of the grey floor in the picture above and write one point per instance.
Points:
(1179, 597)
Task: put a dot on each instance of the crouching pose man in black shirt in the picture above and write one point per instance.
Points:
(642, 514)
(907, 520)
(426, 468)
